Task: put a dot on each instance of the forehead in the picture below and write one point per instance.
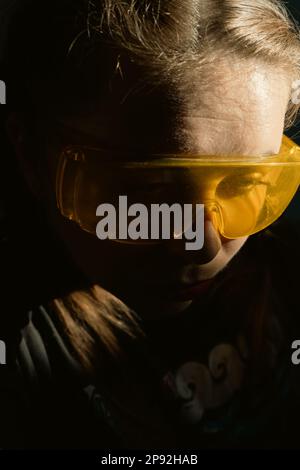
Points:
(241, 109)
(131, 119)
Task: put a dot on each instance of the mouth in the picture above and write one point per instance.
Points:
(190, 292)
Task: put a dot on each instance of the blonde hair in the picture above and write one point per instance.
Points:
(169, 38)
(172, 38)
(93, 319)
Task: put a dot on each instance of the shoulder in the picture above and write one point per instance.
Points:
(45, 399)
(279, 249)
(43, 350)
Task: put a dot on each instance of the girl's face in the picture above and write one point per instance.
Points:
(241, 113)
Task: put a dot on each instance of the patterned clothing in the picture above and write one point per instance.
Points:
(217, 376)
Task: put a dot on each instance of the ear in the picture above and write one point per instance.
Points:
(19, 138)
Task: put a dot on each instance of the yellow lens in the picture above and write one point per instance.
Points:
(241, 196)
(251, 198)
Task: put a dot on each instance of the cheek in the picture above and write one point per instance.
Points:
(229, 249)
(232, 247)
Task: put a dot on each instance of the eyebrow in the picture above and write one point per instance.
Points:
(233, 149)
(95, 141)
(80, 136)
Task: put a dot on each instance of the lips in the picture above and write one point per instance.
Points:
(190, 292)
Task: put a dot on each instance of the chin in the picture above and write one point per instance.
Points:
(168, 308)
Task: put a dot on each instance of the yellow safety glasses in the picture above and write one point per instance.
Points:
(242, 195)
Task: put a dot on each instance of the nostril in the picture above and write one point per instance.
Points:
(210, 249)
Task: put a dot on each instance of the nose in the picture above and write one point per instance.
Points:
(210, 249)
